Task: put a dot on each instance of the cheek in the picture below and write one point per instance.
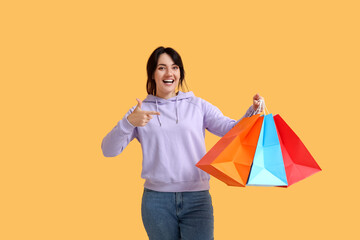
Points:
(157, 76)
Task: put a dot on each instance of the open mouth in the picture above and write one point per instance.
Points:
(168, 82)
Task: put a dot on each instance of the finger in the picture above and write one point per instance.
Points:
(151, 113)
(257, 102)
(139, 103)
(148, 116)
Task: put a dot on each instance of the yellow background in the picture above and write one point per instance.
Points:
(70, 70)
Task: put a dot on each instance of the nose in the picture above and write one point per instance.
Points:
(169, 72)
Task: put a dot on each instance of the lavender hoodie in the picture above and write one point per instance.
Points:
(172, 142)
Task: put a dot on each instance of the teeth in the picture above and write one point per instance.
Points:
(168, 81)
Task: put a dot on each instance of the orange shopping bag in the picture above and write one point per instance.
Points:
(230, 159)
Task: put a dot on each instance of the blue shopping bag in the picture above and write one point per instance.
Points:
(268, 165)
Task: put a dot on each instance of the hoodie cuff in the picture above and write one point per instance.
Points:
(126, 126)
(250, 112)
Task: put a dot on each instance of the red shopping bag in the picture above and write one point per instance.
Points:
(230, 159)
(299, 163)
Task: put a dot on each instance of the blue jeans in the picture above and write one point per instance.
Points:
(177, 215)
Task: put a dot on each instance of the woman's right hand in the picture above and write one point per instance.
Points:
(140, 118)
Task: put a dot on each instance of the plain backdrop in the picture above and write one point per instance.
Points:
(70, 70)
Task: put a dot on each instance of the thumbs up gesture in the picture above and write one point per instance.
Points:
(140, 118)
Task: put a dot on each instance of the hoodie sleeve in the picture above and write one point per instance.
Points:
(119, 137)
(218, 124)
(250, 112)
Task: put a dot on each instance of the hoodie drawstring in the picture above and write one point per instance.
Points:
(157, 109)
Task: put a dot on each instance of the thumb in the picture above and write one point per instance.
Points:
(139, 104)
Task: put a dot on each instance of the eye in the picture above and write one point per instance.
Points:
(175, 67)
(161, 68)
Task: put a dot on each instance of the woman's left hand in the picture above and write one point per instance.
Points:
(256, 103)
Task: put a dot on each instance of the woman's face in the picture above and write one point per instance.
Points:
(166, 75)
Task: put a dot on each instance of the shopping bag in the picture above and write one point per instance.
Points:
(229, 160)
(299, 163)
(268, 165)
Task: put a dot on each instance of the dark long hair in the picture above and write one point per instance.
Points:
(152, 64)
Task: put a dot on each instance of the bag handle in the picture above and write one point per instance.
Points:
(262, 103)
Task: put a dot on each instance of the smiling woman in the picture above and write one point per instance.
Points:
(165, 73)
(166, 77)
(176, 202)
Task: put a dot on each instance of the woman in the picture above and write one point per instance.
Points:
(170, 126)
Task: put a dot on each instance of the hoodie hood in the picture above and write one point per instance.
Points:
(161, 101)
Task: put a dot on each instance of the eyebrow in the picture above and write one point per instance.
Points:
(165, 64)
